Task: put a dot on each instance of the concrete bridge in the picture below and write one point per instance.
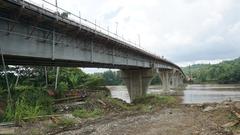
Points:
(33, 35)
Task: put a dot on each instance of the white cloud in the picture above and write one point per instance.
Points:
(235, 28)
(215, 39)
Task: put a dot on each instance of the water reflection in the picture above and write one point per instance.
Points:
(191, 94)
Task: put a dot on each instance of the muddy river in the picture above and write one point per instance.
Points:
(194, 93)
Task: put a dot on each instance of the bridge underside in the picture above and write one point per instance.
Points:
(33, 61)
(31, 35)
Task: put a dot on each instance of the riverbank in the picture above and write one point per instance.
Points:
(70, 113)
(151, 115)
(178, 120)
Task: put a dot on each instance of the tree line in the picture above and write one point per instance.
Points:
(224, 72)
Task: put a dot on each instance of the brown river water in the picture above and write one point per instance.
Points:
(193, 93)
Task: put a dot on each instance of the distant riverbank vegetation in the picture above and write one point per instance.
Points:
(224, 73)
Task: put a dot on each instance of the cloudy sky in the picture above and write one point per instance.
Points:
(183, 31)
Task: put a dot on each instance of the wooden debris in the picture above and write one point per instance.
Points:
(41, 117)
(7, 131)
(7, 124)
(237, 114)
(230, 124)
(76, 98)
(100, 101)
(54, 120)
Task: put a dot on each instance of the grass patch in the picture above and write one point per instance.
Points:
(232, 116)
(35, 131)
(21, 110)
(119, 104)
(143, 104)
(66, 122)
(83, 113)
(28, 101)
(62, 122)
(155, 100)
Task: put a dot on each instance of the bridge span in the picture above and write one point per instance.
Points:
(34, 35)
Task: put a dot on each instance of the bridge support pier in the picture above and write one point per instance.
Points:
(165, 76)
(174, 81)
(180, 81)
(137, 81)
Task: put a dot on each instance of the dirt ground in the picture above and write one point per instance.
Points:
(181, 120)
(203, 119)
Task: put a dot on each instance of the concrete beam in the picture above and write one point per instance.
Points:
(137, 81)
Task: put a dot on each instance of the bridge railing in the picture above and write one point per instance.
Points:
(64, 14)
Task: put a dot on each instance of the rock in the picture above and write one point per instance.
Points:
(69, 116)
(230, 124)
(237, 105)
(237, 132)
(227, 102)
(8, 131)
(208, 108)
(196, 133)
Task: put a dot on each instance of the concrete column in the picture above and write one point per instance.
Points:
(165, 76)
(177, 81)
(181, 81)
(137, 81)
(174, 81)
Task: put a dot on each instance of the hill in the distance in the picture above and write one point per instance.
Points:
(224, 72)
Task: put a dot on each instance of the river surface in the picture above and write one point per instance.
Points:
(194, 93)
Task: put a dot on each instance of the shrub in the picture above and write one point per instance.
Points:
(62, 89)
(94, 82)
(22, 109)
(66, 122)
(29, 102)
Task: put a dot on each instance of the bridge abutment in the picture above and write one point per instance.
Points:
(137, 81)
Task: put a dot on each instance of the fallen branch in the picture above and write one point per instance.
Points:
(79, 98)
(41, 117)
(100, 101)
(230, 124)
(7, 124)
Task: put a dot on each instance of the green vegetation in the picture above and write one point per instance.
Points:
(66, 122)
(28, 101)
(224, 72)
(144, 104)
(113, 78)
(110, 77)
(33, 93)
(31, 96)
(21, 110)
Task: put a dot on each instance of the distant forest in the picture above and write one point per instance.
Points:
(114, 78)
(224, 72)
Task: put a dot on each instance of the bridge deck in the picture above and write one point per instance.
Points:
(18, 15)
